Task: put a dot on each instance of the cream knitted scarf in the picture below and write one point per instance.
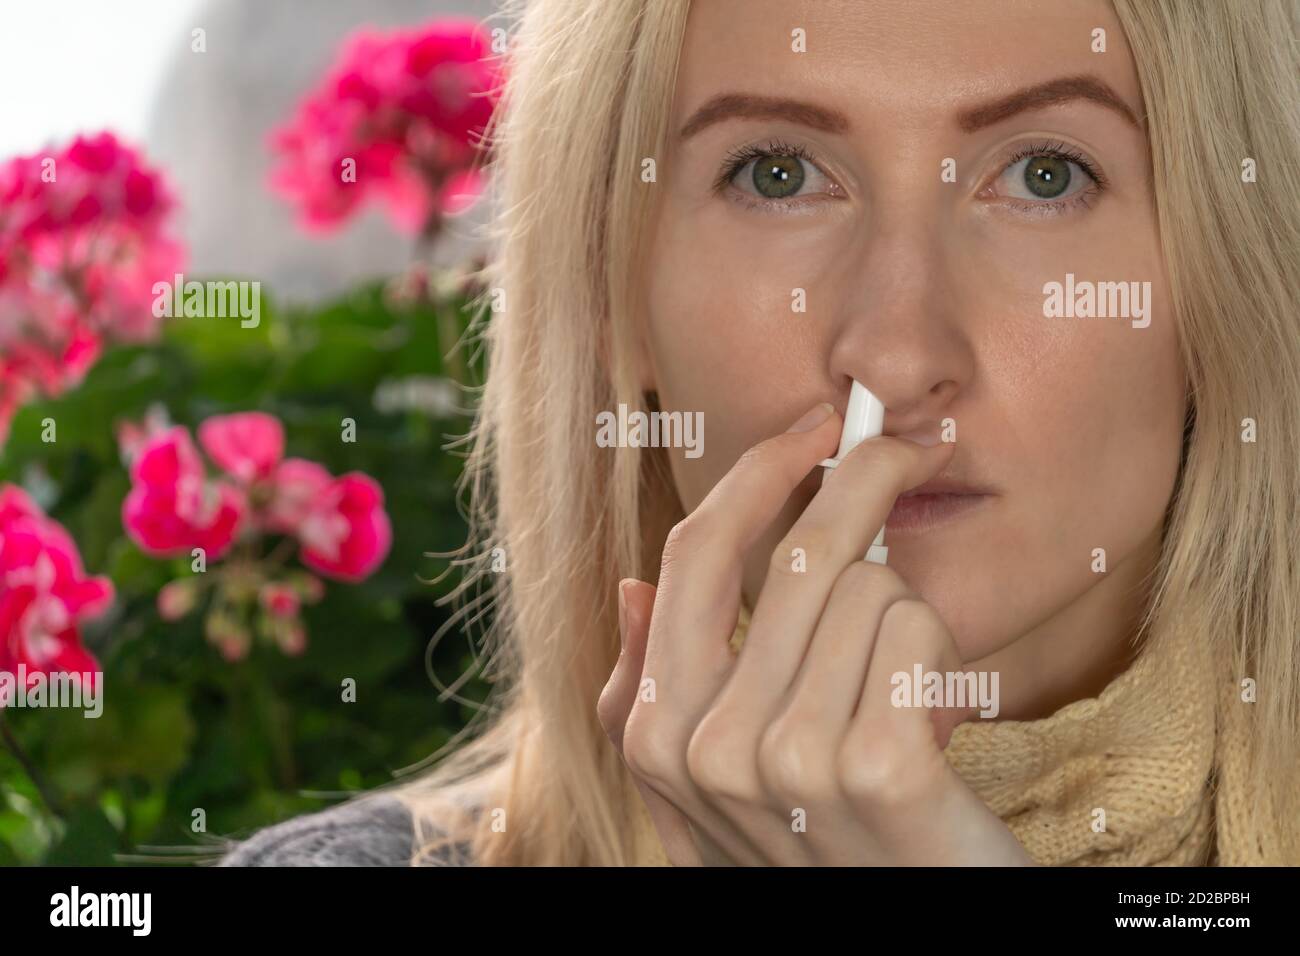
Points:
(1150, 772)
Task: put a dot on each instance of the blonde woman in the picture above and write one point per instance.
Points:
(1059, 243)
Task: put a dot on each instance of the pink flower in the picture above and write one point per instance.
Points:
(83, 238)
(95, 179)
(409, 109)
(248, 445)
(15, 504)
(339, 524)
(172, 508)
(346, 533)
(298, 483)
(44, 592)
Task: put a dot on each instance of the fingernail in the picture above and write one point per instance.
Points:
(814, 417)
(622, 613)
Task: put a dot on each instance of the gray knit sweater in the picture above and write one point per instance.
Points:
(371, 831)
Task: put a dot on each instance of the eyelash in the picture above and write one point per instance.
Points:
(740, 157)
(1062, 151)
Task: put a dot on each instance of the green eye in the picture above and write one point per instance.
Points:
(1047, 177)
(776, 177)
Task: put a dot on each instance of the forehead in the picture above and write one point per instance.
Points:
(906, 60)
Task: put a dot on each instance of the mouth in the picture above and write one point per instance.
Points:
(933, 504)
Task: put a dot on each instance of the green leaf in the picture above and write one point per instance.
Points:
(90, 840)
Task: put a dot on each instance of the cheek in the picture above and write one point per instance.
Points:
(1084, 418)
(1105, 405)
(1096, 403)
(724, 340)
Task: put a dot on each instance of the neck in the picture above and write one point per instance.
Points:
(1078, 651)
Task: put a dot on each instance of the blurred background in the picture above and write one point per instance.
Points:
(228, 506)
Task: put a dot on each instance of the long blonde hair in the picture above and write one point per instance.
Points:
(587, 100)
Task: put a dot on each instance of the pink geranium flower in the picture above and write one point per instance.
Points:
(298, 483)
(172, 507)
(339, 524)
(45, 593)
(346, 533)
(408, 110)
(85, 232)
(247, 446)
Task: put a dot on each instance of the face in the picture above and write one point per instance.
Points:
(915, 179)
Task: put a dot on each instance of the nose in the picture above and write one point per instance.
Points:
(898, 328)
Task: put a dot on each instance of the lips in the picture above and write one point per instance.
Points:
(944, 486)
(935, 503)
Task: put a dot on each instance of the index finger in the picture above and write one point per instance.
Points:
(699, 588)
(833, 532)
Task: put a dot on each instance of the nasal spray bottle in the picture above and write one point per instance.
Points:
(864, 418)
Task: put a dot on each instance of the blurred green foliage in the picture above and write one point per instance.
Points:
(249, 742)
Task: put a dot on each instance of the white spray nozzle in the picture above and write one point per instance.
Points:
(863, 419)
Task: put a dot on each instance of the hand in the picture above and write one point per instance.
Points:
(792, 753)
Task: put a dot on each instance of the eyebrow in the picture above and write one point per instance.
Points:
(1051, 93)
(744, 106)
(726, 106)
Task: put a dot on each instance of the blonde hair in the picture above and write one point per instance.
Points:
(588, 97)
(1219, 83)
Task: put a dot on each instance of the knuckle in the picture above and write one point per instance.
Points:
(714, 762)
(686, 538)
(609, 707)
(680, 535)
(875, 774)
(791, 765)
(648, 749)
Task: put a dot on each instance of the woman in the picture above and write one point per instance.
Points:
(1062, 250)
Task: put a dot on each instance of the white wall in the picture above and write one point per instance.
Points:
(70, 66)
